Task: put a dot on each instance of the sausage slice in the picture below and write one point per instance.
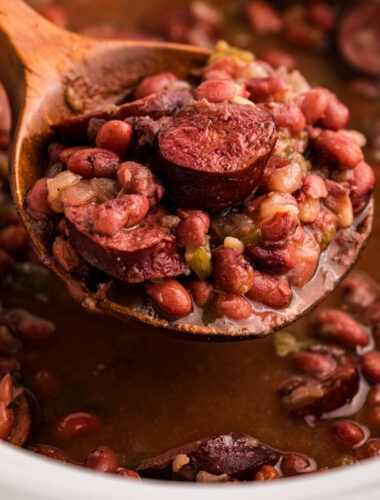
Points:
(212, 155)
(359, 38)
(134, 254)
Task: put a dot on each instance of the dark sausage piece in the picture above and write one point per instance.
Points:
(155, 105)
(359, 38)
(212, 155)
(145, 252)
(237, 455)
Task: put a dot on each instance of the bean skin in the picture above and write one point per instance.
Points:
(373, 397)
(102, 459)
(232, 272)
(135, 178)
(266, 473)
(339, 149)
(126, 211)
(94, 162)
(65, 155)
(6, 421)
(293, 465)
(277, 58)
(127, 473)
(66, 255)
(115, 136)
(31, 327)
(201, 291)
(340, 327)
(277, 260)
(191, 233)
(370, 363)
(37, 200)
(336, 115)
(271, 291)
(220, 90)
(232, 306)
(312, 363)
(265, 89)
(170, 297)
(362, 181)
(76, 424)
(346, 434)
(6, 389)
(288, 116)
(359, 291)
(315, 104)
(54, 150)
(154, 84)
(339, 202)
(182, 214)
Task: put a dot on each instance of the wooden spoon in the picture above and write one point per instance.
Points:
(37, 62)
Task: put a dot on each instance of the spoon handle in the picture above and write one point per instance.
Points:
(32, 52)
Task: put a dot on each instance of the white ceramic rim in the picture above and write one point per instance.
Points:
(23, 475)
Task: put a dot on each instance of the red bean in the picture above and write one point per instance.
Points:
(170, 297)
(37, 200)
(339, 149)
(191, 232)
(347, 433)
(50, 452)
(277, 260)
(32, 327)
(265, 89)
(11, 365)
(127, 473)
(115, 136)
(126, 211)
(6, 421)
(362, 183)
(201, 291)
(262, 17)
(134, 178)
(359, 291)
(271, 291)
(370, 449)
(67, 153)
(220, 90)
(315, 104)
(336, 115)
(373, 397)
(216, 74)
(14, 239)
(370, 363)
(54, 150)
(279, 229)
(266, 473)
(322, 15)
(102, 459)
(74, 425)
(312, 363)
(277, 58)
(66, 255)
(232, 272)
(293, 465)
(288, 116)
(6, 389)
(94, 162)
(182, 214)
(232, 306)
(324, 227)
(47, 382)
(340, 327)
(154, 84)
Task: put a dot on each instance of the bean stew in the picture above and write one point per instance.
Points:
(84, 389)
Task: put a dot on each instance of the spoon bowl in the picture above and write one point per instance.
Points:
(38, 61)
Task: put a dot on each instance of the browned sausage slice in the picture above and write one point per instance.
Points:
(136, 254)
(359, 38)
(212, 155)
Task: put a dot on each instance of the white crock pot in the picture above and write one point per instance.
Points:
(26, 476)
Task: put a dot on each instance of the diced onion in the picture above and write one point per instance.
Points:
(57, 185)
(78, 193)
(105, 189)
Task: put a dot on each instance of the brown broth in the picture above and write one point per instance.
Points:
(153, 392)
